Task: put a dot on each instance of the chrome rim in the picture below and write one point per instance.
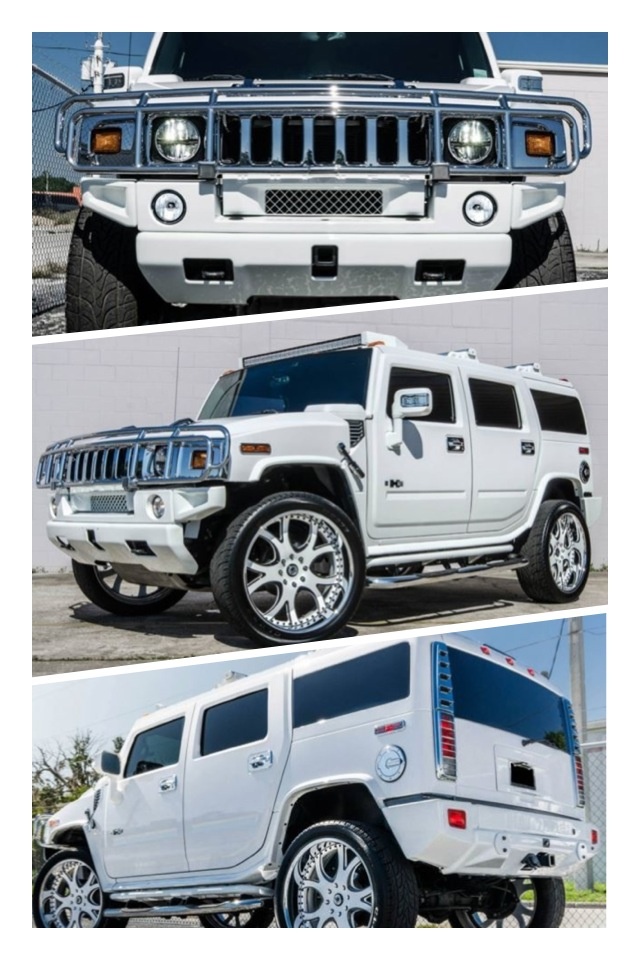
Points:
(298, 571)
(134, 593)
(328, 885)
(567, 552)
(521, 916)
(71, 896)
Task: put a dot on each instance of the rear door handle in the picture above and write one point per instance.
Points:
(169, 784)
(260, 761)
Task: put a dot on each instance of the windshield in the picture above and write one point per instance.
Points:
(288, 386)
(429, 57)
(486, 693)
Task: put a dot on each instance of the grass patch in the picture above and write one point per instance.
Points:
(597, 895)
(48, 270)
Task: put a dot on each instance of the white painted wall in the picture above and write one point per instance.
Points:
(153, 378)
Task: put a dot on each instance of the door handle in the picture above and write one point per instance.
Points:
(169, 784)
(260, 761)
(455, 444)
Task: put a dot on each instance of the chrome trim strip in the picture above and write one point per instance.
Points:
(423, 797)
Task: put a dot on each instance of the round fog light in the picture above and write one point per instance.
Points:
(169, 207)
(479, 209)
(157, 506)
(53, 507)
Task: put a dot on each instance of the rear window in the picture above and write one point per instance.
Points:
(559, 413)
(495, 404)
(358, 684)
(495, 696)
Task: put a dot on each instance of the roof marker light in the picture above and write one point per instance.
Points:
(486, 650)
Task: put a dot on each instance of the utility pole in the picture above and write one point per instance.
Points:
(93, 66)
(579, 699)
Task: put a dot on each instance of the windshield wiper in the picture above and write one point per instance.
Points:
(223, 76)
(351, 76)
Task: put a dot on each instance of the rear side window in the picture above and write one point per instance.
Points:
(155, 748)
(439, 384)
(559, 413)
(369, 681)
(234, 723)
(495, 404)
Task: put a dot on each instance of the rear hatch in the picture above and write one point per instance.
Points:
(514, 740)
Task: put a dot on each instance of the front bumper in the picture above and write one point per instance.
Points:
(495, 842)
(135, 537)
(272, 256)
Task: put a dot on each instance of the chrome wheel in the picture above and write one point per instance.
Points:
(329, 885)
(568, 552)
(521, 916)
(298, 571)
(124, 591)
(101, 584)
(70, 895)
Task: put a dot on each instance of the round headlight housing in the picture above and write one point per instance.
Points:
(169, 207)
(158, 461)
(470, 141)
(177, 139)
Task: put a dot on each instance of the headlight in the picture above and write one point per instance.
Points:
(470, 141)
(177, 140)
(158, 461)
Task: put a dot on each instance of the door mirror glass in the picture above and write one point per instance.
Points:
(109, 764)
(410, 403)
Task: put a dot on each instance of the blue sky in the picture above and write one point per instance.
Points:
(62, 53)
(108, 705)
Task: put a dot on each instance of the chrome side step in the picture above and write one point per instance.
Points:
(512, 561)
(184, 910)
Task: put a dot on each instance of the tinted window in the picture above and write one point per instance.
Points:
(558, 412)
(155, 748)
(231, 724)
(495, 696)
(377, 678)
(495, 404)
(439, 384)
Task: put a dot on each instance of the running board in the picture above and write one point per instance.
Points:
(510, 562)
(159, 894)
(228, 906)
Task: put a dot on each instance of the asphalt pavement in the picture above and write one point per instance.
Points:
(70, 633)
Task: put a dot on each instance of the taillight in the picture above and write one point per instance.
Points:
(457, 819)
(576, 754)
(444, 728)
(594, 838)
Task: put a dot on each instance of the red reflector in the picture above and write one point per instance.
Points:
(390, 727)
(486, 650)
(531, 671)
(510, 661)
(594, 837)
(457, 818)
(583, 451)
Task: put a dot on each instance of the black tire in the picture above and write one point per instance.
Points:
(559, 553)
(105, 288)
(70, 870)
(345, 874)
(540, 903)
(303, 597)
(542, 253)
(262, 917)
(94, 583)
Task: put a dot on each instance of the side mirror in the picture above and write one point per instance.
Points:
(109, 764)
(408, 404)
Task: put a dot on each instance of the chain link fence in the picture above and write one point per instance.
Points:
(55, 195)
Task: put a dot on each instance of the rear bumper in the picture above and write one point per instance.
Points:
(495, 842)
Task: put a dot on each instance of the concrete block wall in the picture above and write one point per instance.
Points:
(153, 378)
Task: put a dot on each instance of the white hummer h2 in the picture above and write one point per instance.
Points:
(312, 470)
(253, 171)
(353, 788)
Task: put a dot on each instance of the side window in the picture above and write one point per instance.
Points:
(234, 723)
(439, 384)
(155, 748)
(358, 684)
(559, 413)
(495, 404)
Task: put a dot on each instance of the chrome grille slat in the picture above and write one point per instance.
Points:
(324, 203)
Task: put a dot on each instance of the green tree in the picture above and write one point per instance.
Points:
(46, 181)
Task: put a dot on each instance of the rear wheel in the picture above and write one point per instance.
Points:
(531, 903)
(108, 590)
(542, 253)
(559, 554)
(105, 288)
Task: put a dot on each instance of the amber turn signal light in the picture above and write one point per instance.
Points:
(106, 140)
(255, 448)
(199, 459)
(539, 144)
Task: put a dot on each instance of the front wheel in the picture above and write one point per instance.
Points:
(67, 893)
(541, 254)
(559, 554)
(290, 568)
(109, 591)
(529, 903)
(343, 874)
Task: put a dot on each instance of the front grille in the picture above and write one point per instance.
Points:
(324, 203)
(323, 140)
(116, 503)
